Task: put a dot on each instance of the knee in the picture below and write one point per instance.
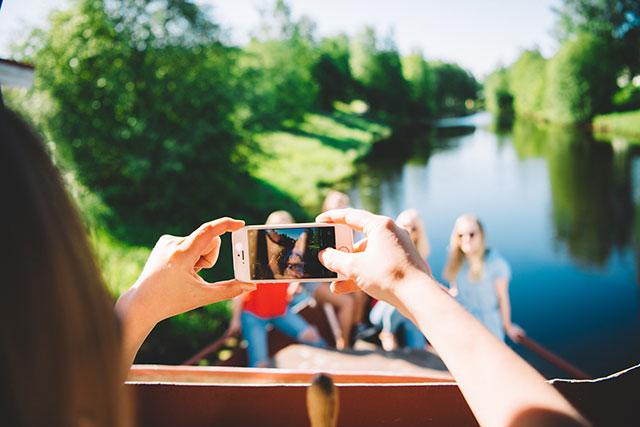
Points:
(346, 303)
(310, 335)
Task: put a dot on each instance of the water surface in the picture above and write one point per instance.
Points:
(562, 208)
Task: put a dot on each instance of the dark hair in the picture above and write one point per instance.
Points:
(61, 360)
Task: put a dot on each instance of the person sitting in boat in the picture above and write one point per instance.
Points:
(348, 308)
(479, 278)
(384, 315)
(267, 306)
(66, 350)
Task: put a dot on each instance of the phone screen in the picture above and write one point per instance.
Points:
(289, 253)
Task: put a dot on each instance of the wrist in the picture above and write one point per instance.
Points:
(412, 292)
(132, 313)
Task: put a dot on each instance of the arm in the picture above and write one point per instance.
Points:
(235, 326)
(498, 385)
(502, 290)
(170, 284)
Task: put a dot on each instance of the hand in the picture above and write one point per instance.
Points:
(515, 332)
(170, 284)
(380, 264)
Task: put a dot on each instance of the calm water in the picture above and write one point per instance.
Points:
(562, 208)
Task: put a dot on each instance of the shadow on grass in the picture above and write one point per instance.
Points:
(342, 144)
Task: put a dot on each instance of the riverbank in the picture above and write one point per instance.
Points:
(303, 161)
(321, 152)
(625, 125)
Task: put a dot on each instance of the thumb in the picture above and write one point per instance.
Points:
(338, 261)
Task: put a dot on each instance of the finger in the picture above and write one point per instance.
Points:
(360, 245)
(338, 261)
(344, 287)
(357, 219)
(198, 241)
(354, 218)
(226, 289)
(209, 259)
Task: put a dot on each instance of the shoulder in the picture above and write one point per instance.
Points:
(497, 264)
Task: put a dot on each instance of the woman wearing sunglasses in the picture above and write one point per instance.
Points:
(479, 278)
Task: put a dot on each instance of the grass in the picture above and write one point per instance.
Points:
(301, 161)
(120, 263)
(305, 159)
(625, 124)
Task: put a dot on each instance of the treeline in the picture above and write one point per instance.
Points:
(155, 109)
(592, 72)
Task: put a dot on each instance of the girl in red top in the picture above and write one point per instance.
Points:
(268, 305)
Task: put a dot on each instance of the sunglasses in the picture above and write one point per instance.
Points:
(471, 235)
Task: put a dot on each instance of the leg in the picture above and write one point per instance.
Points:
(254, 330)
(413, 338)
(344, 307)
(359, 304)
(296, 327)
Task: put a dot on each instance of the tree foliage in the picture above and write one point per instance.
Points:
(454, 86)
(615, 20)
(580, 80)
(277, 70)
(422, 85)
(144, 103)
(333, 72)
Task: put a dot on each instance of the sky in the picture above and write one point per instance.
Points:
(477, 34)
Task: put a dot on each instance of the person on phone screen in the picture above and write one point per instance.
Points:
(268, 304)
(384, 315)
(479, 278)
(66, 350)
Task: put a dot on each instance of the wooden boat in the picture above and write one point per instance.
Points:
(197, 396)
(375, 389)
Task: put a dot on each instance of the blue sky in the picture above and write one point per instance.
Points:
(479, 35)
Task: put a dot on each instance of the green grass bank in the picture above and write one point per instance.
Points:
(625, 125)
(303, 161)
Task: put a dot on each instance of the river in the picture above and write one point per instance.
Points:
(561, 207)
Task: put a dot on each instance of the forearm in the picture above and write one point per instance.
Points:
(135, 328)
(505, 311)
(497, 384)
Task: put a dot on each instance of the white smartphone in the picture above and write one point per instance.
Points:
(287, 252)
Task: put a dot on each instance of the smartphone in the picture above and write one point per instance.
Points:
(287, 252)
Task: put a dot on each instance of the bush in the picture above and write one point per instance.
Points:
(580, 80)
(422, 84)
(527, 84)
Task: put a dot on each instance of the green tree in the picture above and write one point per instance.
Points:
(143, 102)
(454, 86)
(333, 72)
(615, 20)
(421, 83)
(377, 67)
(497, 94)
(277, 70)
(580, 80)
(527, 83)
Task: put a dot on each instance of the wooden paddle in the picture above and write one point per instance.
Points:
(553, 358)
(323, 402)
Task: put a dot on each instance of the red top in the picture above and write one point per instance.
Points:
(268, 300)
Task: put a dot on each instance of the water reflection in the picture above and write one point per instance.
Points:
(560, 206)
(590, 187)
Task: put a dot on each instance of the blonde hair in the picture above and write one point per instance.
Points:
(335, 200)
(410, 218)
(456, 256)
(280, 217)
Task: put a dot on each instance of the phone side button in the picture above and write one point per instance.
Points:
(343, 249)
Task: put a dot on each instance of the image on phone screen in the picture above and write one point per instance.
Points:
(289, 253)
